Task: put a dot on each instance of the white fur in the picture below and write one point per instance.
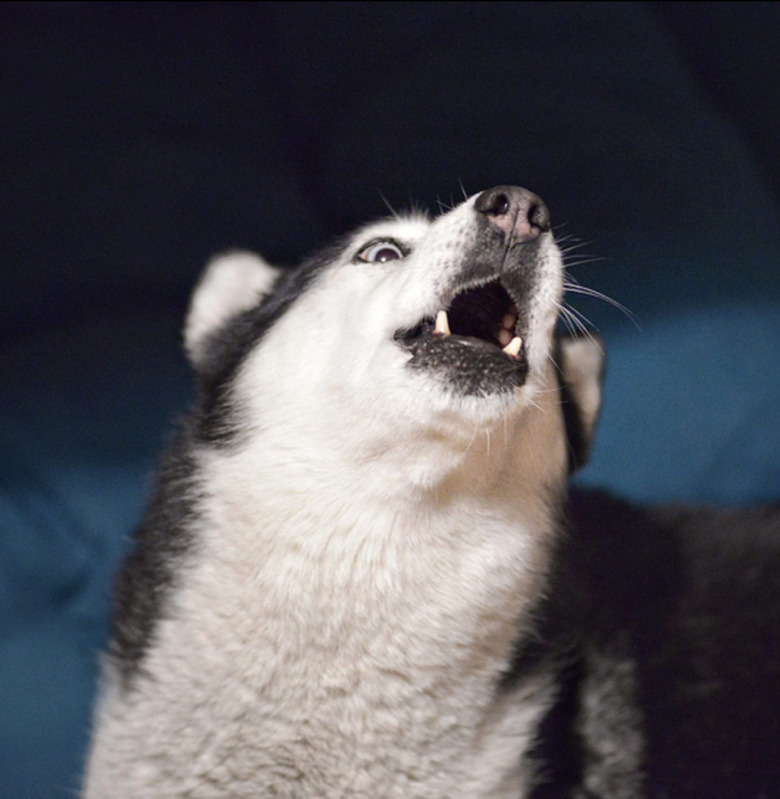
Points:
(581, 365)
(230, 284)
(366, 556)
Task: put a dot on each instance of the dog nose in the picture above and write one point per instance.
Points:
(515, 211)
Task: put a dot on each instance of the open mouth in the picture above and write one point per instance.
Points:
(484, 316)
(475, 339)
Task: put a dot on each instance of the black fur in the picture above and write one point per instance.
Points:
(161, 544)
(475, 370)
(673, 645)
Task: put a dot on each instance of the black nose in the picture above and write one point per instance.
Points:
(515, 211)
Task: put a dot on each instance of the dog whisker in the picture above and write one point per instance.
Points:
(570, 285)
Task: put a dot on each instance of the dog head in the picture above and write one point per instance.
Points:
(408, 347)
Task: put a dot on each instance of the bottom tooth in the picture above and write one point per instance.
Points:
(442, 325)
(513, 348)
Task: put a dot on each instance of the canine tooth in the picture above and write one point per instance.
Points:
(513, 348)
(442, 325)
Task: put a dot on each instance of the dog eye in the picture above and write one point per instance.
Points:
(380, 252)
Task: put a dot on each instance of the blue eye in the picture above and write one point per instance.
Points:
(379, 252)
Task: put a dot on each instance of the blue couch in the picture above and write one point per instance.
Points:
(138, 140)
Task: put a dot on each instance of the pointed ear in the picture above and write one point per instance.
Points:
(230, 284)
(581, 363)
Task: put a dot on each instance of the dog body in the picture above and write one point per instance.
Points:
(352, 532)
(673, 614)
(354, 577)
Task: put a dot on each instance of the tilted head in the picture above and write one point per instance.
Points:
(402, 345)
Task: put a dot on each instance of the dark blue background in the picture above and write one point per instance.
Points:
(137, 140)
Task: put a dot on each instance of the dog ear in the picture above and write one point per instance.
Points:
(230, 283)
(581, 362)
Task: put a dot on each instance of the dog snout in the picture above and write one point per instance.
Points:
(516, 212)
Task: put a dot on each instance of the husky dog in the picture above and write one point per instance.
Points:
(355, 576)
